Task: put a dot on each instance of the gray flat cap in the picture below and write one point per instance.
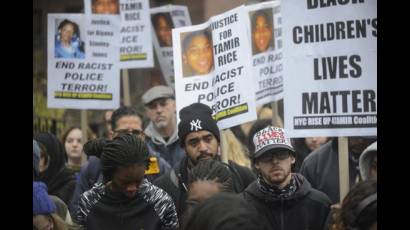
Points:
(156, 92)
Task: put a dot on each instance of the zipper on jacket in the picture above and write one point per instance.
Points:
(282, 226)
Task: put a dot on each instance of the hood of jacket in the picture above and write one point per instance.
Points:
(302, 191)
(56, 173)
(365, 160)
(157, 138)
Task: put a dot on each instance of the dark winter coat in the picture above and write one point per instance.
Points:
(58, 178)
(150, 209)
(306, 209)
(321, 169)
(91, 174)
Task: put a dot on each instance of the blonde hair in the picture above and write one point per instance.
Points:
(233, 149)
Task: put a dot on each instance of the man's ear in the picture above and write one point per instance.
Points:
(110, 134)
(256, 164)
(293, 160)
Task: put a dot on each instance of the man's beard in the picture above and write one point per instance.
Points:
(161, 124)
(277, 179)
(205, 156)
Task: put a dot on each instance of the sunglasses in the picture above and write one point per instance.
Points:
(268, 157)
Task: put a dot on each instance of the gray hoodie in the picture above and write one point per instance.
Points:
(170, 150)
(365, 160)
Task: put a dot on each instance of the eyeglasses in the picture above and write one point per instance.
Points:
(268, 157)
(135, 132)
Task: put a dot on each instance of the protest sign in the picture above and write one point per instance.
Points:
(330, 78)
(164, 19)
(212, 67)
(82, 62)
(135, 29)
(265, 31)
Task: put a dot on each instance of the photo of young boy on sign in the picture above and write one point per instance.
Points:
(197, 53)
(105, 6)
(262, 31)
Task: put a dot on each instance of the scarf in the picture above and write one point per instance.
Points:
(274, 192)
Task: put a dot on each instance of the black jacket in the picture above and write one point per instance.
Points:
(91, 173)
(307, 209)
(321, 169)
(59, 179)
(175, 182)
(150, 209)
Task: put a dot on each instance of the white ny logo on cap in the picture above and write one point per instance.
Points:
(196, 124)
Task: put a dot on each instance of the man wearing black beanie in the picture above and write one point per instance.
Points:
(200, 139)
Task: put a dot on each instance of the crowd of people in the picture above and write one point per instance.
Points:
(174, 175)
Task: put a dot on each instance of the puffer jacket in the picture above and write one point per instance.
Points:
(150, 209)
(91, 173)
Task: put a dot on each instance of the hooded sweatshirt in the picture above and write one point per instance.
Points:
(301, 207)
(170, 150)
(365, 160)
(150, 209)
(58, 178)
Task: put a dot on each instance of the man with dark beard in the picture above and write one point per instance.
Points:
(285, 199)
(200, 139)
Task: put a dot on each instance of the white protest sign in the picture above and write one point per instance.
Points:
(265, 31)
(212, 67)
(164, 19)
(135, 29)
(330, 78)
(83, 62)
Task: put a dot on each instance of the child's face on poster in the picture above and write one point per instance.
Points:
(199, 55)
(105, 7)
(262, 33)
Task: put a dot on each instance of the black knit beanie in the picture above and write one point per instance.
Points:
(196, 117)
